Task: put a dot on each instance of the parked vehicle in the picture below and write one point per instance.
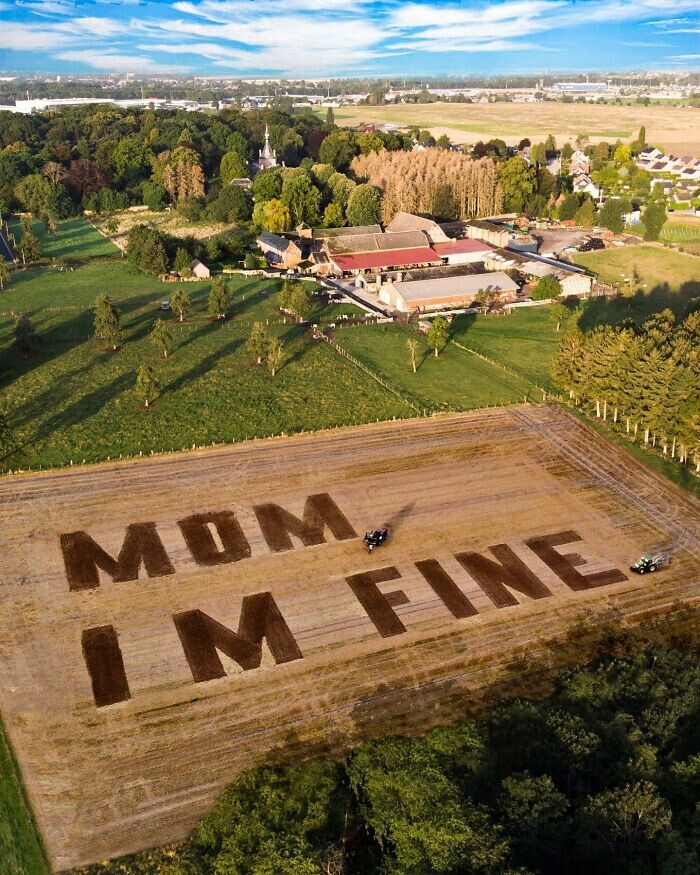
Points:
(165, 305)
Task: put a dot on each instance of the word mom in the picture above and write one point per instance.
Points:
(202, 637)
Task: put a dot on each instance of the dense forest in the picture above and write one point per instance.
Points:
(645, 380)
(602, 777)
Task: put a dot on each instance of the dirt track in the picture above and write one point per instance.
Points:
(109, 780)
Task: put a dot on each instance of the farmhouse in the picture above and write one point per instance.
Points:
(447, 292)
(320, 234)
(199, 270)
(279, 250)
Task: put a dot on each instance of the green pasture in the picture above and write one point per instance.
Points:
(76, 240)
(74, 400)
(455, 380)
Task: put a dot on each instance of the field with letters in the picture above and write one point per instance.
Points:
(167, 623)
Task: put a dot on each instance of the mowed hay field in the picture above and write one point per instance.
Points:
(676, 129)
(107, 780)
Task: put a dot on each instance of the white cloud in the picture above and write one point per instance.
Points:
(118, 62)
(24, 37)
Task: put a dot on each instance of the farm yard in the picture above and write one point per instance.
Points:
(148, 766)
(676, 129)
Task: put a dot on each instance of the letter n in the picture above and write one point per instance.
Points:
(496, 578)
(83, 557)
(202, 636)
(319, 511)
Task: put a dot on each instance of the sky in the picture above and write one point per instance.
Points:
(325, 38)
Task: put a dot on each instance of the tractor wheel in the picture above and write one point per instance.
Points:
(652, 568)
(642, 570)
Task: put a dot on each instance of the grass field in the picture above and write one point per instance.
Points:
(73, 400)
(455, 380)
(140, 771)
(76, 240)
(671, 278)
(20, 849)
(676, 129)
(525, 341)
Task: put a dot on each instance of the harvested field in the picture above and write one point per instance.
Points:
(344, 655)
(673, 128)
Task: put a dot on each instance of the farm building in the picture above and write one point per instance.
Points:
(447, 292)
(466, 251)
(279, 250)
(574, 281)
(199, 270)
(354, 254)
(489, 232)
(411, 222)
(320, 234)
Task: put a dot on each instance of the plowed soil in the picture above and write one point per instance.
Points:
(139, 772)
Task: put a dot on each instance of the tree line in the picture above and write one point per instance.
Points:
(603, 776)
(646, 379)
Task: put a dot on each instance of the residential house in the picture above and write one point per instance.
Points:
(579, 163)
(583, 184)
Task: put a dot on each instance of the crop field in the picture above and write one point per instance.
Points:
(169, 622)
(676, 129)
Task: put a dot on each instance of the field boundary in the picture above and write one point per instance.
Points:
(13, 776)
(351, 358)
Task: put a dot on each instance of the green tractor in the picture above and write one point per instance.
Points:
(650, 563)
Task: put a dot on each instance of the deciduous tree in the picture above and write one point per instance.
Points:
(180, 302)
(219, 298)
(161, 337)
(147, 384)
(438, 334)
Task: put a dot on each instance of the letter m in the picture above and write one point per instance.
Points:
(83, 557)
(202, 636)
(319, 511)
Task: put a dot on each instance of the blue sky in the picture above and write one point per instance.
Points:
(319, 38)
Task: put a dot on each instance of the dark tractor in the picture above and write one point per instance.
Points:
(376, 538)
(648, 564)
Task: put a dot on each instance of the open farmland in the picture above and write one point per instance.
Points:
(676, 129)
(185, 702)
(73, 401)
